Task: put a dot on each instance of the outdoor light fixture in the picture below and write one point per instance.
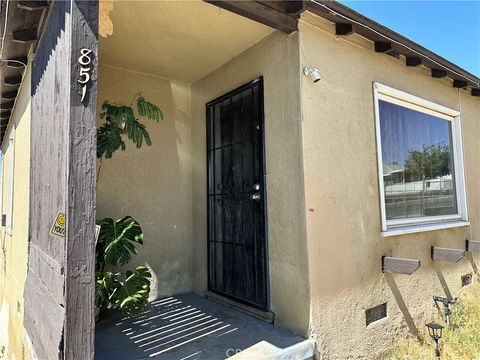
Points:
(435, 331)
(314, 73)
(446, 305)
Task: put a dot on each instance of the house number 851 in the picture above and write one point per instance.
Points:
(84, 60)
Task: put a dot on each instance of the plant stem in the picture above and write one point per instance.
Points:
(134, 97)
(98, 171)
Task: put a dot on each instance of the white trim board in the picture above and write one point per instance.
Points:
(399, 226)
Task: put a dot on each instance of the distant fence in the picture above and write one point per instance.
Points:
(420, 198)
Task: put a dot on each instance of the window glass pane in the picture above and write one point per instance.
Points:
(417, 164)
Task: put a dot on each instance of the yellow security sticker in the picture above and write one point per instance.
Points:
(58, 228)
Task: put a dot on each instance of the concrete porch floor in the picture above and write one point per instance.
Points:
(184, 327)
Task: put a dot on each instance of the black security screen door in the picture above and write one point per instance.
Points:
(236, 197)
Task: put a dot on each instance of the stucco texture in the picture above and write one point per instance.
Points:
(152, 184)
(342, 198)
(276, 58)
(164, 186)
(182, 40)
(14, 245)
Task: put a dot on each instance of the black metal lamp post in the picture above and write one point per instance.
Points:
(435, 331)
(446, 305)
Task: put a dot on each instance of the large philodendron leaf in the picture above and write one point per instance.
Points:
(132, 296)
(117, 239)
(105, 284)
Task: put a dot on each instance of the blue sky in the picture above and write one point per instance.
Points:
(449, 28)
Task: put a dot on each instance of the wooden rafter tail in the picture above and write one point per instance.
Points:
(439, 73)
(447, 254)
(460, 83)
(343, 29)
(24, 36)
(472, 246)
(33, 5)
(475, 92)
(17, 62)
(7, 105)
(413, 61)
(399, 265)
(5, 114)
(9, 95)
(382, 46)
(13, 80)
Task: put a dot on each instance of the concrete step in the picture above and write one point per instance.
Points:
(263, 350)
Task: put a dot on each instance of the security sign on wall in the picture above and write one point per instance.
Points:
(58, 227)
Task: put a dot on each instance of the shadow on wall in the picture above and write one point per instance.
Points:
(442, 280)
(168, 278)
(401, 304)
(474, 265)
(153, 184)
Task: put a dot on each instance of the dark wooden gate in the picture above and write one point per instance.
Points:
(60, 287)
(236, 196)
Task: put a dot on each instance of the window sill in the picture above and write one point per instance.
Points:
(411, 229)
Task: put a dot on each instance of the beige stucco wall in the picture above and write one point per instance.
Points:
(276, 58)
(153, 184)
(342, 197)
(14, 246)
(324, 235)
(164, 186)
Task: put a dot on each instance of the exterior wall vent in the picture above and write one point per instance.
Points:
(466, 279)
(376, 313)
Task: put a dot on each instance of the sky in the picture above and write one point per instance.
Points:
(450, 29)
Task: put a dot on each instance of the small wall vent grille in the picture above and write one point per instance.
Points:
(375, 313)
(467, 279)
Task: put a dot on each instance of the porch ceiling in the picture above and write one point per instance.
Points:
(181, 40)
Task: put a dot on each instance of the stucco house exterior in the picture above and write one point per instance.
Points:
(314, 168)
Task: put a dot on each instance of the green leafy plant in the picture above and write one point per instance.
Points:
(121, 121)
(132, 295)
(461, 341)
(124, 290)
(117, 240)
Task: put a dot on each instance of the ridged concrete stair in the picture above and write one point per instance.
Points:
(264, 350)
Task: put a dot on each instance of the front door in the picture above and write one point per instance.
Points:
(236, 198)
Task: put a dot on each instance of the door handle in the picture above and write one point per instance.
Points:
(256, 196)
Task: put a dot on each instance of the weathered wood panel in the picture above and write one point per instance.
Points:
(473, 246)
(80, 266)
(399, 265)
(44, 311)
(59, 292)
(49, 270)
(446, 254)
(47, 327)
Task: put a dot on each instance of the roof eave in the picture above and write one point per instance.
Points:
(398, 44)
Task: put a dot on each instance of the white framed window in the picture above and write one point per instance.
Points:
(10, 155)
(420, 163)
